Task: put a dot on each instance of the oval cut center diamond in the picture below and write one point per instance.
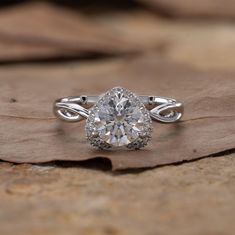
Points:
(118, 119)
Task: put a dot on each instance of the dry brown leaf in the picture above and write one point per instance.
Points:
(30, 133)
(187, 42)
(71, 200)
(40, 30)
(215, 8)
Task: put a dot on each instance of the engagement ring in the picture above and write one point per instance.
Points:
(118, 117)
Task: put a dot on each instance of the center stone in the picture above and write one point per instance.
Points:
(118, 119)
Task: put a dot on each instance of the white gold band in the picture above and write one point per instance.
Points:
(76, 108)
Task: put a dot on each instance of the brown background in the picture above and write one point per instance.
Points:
(182, 49)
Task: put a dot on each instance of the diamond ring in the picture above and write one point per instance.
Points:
(118, 117)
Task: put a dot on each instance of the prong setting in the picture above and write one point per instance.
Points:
(119, 119)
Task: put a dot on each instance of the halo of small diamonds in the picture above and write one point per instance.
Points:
(119, 119)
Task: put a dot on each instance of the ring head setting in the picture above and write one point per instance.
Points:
(118, 119)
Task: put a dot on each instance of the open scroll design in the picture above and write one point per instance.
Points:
(74, 109)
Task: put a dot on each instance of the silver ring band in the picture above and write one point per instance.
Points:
(119, 117)
(76, 108)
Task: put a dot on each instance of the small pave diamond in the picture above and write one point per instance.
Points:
(118, 119)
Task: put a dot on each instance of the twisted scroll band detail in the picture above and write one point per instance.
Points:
(74, 109)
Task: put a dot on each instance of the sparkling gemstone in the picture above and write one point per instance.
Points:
(119, 118)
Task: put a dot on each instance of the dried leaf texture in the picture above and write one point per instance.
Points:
(30, 133)
(191, 8)
(40, 31)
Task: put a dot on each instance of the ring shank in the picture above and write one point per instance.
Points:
(91, 100)
(75, 108)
